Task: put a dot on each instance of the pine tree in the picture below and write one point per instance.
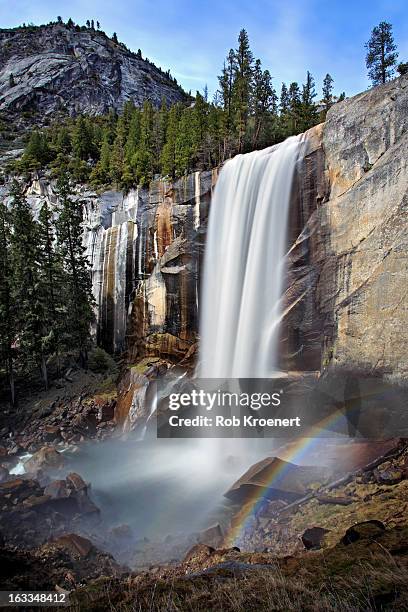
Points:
(198, 129)
(26, 290)
(264, 101)
(51, 281)
(402, 68)
(184, 143)
(7, 310)
(77, 296)
(82, 144)
(168, 156)
(382, 54)
(308, 110)
(327, 91)
(159, 130)
(37, 152)
(226, 82)
(242, 87)
(294, 119)
(115, 38)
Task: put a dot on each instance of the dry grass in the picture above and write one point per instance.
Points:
(368, 587)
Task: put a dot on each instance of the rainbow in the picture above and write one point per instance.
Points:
(295, 453)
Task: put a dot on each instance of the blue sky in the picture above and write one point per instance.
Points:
(192, 38)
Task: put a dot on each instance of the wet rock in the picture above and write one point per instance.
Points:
(76, 482)
(45, 458)
(4, 474)
(369, 530)
(338, 501)
(278, 479)
(313, 537)
(57, 489)
(122, 532)
(106, 412)
(212, 536)
(199, 551)
(51, 433)
(388, 476)
(75, 544)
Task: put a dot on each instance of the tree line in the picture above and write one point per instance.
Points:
(46, 304)
(130, 148)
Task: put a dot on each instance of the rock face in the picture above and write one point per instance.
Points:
(145, 248)
(56, 69)
(347, 289)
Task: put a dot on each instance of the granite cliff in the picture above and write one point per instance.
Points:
(347, 282)
(56, 70)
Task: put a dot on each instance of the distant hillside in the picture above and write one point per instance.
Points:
(62, 69)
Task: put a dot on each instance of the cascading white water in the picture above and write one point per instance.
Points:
(244, 264)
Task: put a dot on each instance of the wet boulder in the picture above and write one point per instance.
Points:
(313, 537)
(275, 478)
(212, 536)
(74, 544)
(46, 458)
(389, 476)
(57, 489)
(367, 530)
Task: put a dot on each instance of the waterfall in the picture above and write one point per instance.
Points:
(244, 264)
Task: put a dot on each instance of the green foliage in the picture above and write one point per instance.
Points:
(402, 68)
(77, 291)
(129, 149)
(46, 305)
(382, 54)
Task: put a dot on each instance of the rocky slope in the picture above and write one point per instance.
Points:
(56, 69)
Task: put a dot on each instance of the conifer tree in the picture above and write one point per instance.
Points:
(51, 281)
(327, 91)
(7, 309)
(294, 108)
(382, 54)
(264, 101)
(77, 297)
(308, 109)
(26, 289)
(242, 87)
(168, 156)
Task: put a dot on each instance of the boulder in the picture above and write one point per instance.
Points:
(388, 476)
(45, 458)
(367, 530)
(276, 479)
(313, 537)
(76, 482)
(337, 501)
(51, 433)
(75, 544)
(212, 536)
(4, 474)
(198, 551)
(57, 489)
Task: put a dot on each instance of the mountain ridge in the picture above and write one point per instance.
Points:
(56, 69)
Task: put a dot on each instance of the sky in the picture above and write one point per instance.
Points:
(193, 38)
